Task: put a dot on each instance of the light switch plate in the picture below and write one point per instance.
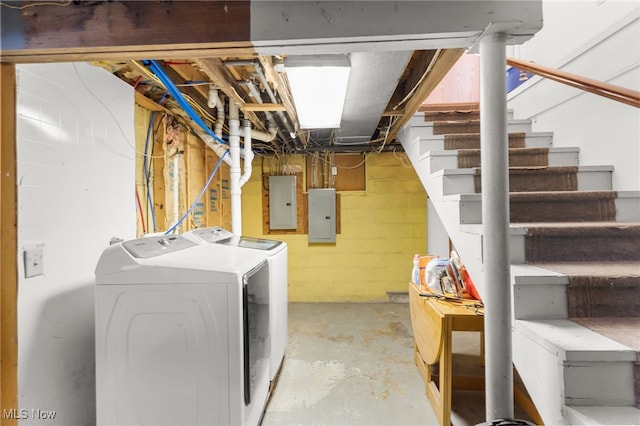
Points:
(33, 260)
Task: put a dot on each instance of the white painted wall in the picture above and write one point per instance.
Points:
(599, 39)
(75, 191)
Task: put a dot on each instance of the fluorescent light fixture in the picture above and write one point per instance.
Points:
(319, 86)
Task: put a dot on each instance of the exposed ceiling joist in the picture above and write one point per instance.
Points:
(440, 68)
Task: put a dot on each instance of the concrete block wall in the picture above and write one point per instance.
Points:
(75, 191)
(381, 229)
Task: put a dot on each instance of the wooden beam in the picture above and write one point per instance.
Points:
(80, 30)
(187, 72)
(282, 88)
(264, 107)
(8, 244)
(393, 113)
(147, 103)
(214, 70)
(440, 68)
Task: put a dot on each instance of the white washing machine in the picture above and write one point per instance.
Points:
(182, 334)
(276, 254)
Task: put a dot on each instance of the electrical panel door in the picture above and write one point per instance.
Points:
(282, 202)
(322, 215)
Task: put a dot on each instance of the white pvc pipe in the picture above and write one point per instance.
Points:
(217, 147)
(220, 121)
(495, 227)
(260, 135)
(248, 154)
(175, 188)
(234, 151)
(213, 99)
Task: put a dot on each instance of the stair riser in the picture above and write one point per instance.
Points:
(545, 211)
(516, 159)
(613, 297)
(599, 383)
(537, 180)
(616, 247)
(457, 127)
(540, 301)
(596, 377)
(426, 130)
(628, 209)
(429, 142)
(563, 211)
(438, 159)
(468, 183)
(461, 114)
(472, 141)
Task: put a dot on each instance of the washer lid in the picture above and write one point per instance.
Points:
(250, 242)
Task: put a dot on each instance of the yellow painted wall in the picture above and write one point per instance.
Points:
(382, 228)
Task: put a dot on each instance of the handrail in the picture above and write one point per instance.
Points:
(611, 91)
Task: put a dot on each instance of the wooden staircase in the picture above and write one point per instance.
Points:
(575, 254)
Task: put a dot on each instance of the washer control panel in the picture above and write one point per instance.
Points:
(144, 248)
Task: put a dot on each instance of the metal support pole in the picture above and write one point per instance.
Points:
(495, 220)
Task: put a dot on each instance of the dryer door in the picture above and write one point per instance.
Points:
(257, 336)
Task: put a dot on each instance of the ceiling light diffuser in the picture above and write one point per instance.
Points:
(319, 86)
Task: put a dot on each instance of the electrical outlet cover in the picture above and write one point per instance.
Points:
(33, 261)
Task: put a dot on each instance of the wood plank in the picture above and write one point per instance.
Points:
(214, 70)
(187, 72)
(147, 103)
(281, 87)
(608, 90)
(157, 182)
(263, 107)
(8, 244)
(143, 26)
(161, 52)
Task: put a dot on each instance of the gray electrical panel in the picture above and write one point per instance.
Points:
(282, 202)
(322, 215)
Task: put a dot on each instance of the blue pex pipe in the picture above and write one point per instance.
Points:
(204, 188)
(173, 90)
(146, 169)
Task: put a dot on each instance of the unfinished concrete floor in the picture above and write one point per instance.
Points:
(352, 364)
(349, 364)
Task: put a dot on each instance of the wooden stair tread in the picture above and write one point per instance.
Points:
(622, 330)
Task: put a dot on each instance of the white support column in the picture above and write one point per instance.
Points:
(495, 220)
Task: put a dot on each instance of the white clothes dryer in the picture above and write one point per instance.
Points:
(276, 253)
(182, 334)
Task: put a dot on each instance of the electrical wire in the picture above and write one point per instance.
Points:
(204, 188)
(96, 97)
(124, 135)
(146, 171)
(403, 156)
(177, 95)
(144, 228)
(366, 157)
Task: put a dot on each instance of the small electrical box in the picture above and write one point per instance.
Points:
(283, 210)
(322, 215)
